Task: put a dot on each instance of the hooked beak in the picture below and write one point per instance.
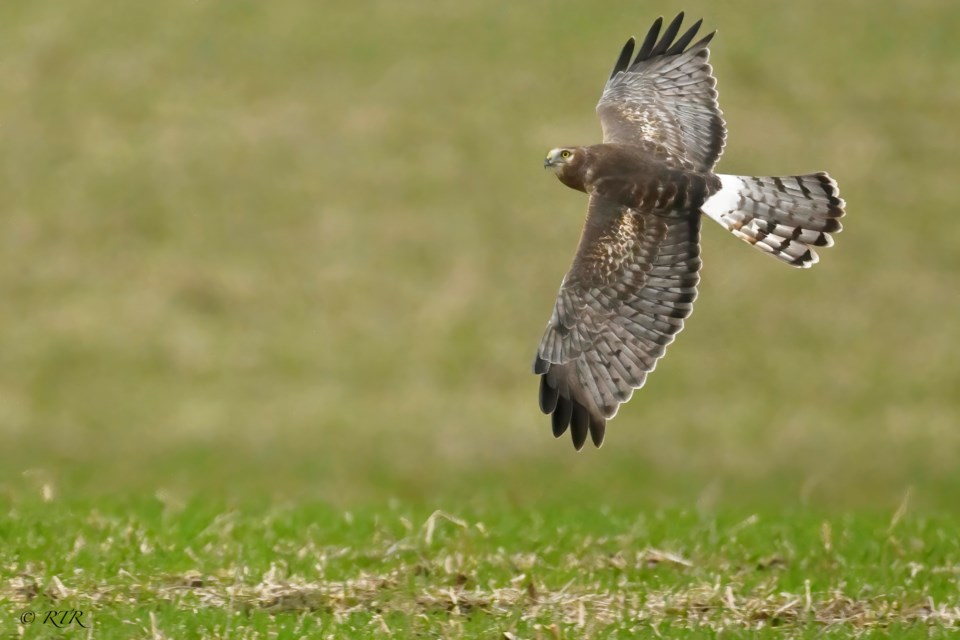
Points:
(554, 159)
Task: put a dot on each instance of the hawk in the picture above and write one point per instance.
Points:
(635, 273)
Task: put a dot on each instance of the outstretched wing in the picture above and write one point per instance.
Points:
(666, 95)
(633, 281)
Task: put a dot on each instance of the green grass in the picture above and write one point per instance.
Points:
(278, 262)
(309, 570)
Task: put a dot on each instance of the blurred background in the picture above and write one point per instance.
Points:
(305, 250)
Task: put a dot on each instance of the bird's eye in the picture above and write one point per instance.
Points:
(565, 154)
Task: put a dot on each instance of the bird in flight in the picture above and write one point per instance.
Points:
(634, 277)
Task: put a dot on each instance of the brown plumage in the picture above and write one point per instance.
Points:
(635, 274)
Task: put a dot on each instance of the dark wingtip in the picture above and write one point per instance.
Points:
(668, 36)
(685, 39)
(598, 428)
(656, 45)
(540, 365)
(548, 396)
(568, 413)
(704, 41)
(562, 413)
(649, 41)
(579, 425)
(623, 62)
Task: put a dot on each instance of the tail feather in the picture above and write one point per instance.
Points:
(782, 216)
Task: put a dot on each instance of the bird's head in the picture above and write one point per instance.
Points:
(568, 164)
(560, 158)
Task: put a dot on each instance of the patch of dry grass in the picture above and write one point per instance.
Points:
(377, 597)
(363, 575)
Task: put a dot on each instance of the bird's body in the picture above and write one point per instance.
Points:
(643, 177)
(635, 274)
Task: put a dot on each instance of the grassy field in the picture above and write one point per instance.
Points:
(160, 569)
(273, 275)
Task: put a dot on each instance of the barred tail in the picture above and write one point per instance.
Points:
(783, 216)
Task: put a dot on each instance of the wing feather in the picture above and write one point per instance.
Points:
(667, 96)
(685, 39)
(623, 62)
(632, 284)
(668, 36)
(649, 41)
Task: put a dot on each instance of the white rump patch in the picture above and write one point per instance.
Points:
(724, 201)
